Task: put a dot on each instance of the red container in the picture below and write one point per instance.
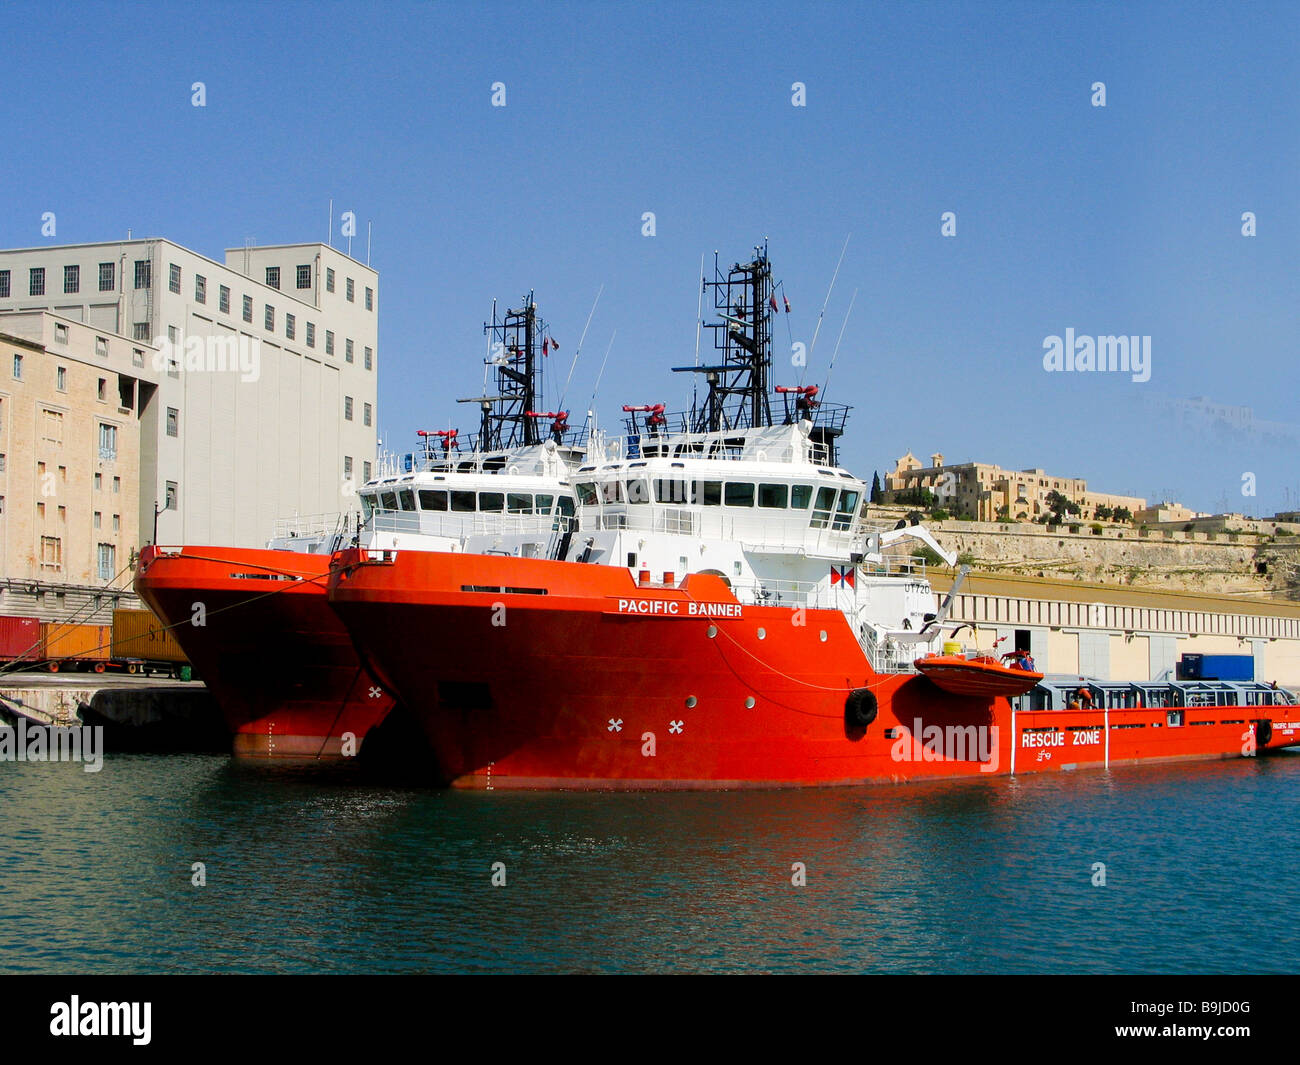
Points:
(20, 639)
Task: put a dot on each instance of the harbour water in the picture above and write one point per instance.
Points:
(305, 874)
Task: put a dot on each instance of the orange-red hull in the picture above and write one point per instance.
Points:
(275, 656)
(530, 673)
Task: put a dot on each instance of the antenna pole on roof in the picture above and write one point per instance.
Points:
(578, 350)
(836, 354)
(596, 387)
(822, 314)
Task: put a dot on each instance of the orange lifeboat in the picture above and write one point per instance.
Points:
(979, 675)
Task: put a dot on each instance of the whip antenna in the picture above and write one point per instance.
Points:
(822, 313)
(578, 351)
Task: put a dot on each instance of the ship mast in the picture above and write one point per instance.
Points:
(513, 340)
(738, 382)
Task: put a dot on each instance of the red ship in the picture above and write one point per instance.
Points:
(725, 618)
(256, 623)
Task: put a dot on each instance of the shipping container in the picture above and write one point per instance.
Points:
(1216, 667)
(1228, 667)
(20, 639)
(63, 640)
(139, 634)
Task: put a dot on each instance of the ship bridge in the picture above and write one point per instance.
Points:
(762, 489)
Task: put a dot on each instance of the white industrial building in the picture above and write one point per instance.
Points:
(267, 401)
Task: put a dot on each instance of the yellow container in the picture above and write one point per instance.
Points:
(139, 634)
(951, 647)
(63, 640)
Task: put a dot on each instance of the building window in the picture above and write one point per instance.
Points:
(248, 308)
(311, 334)
(173, 366)
(107, 442)
(347, 348)
(101, 347)
(351, 290)
(289, 322)
(347, 408)
(171, 495)
(304, 276)
(137, 357)
(107, 276)
(51, 551)
(140, 331)
(143, 273)
(2, 462)
(370, 298)
(107, 562)
(174, 278)
(173, 421)
(365, 470)
(18, 367)
(98, 519)
(223, 299)
(329, 279)
(270, 318)
(200, 289)
(71, 279)
(273, 276)
(61, 379)
(60, 333)
(347, 466)
(117, 522)
(365, 414)
(370, 358)
(329, 341)
(52, 427)
(63, 515)
(4, 284)
(36, 281)
(99, 481)
(117, 484)
(102, 390)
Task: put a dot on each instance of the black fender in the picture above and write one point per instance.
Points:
(860, 708)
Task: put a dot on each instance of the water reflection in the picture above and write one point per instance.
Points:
(345, 875)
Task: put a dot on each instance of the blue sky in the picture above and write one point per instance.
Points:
(1117, 220)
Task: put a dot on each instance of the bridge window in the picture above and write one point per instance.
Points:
(638, 491)
(586, 493)
(517, 503)
(800, 496)
(387, 501)
(773, 496)
(367, 506)
(612, 491)
(566, 506)
(545, 503)
(709, 493)
(847, 508)
(407, 498)
(672, 490)
(740, 495)
(462, 502)
(491, 502)
(431, 499)
(823, 507)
